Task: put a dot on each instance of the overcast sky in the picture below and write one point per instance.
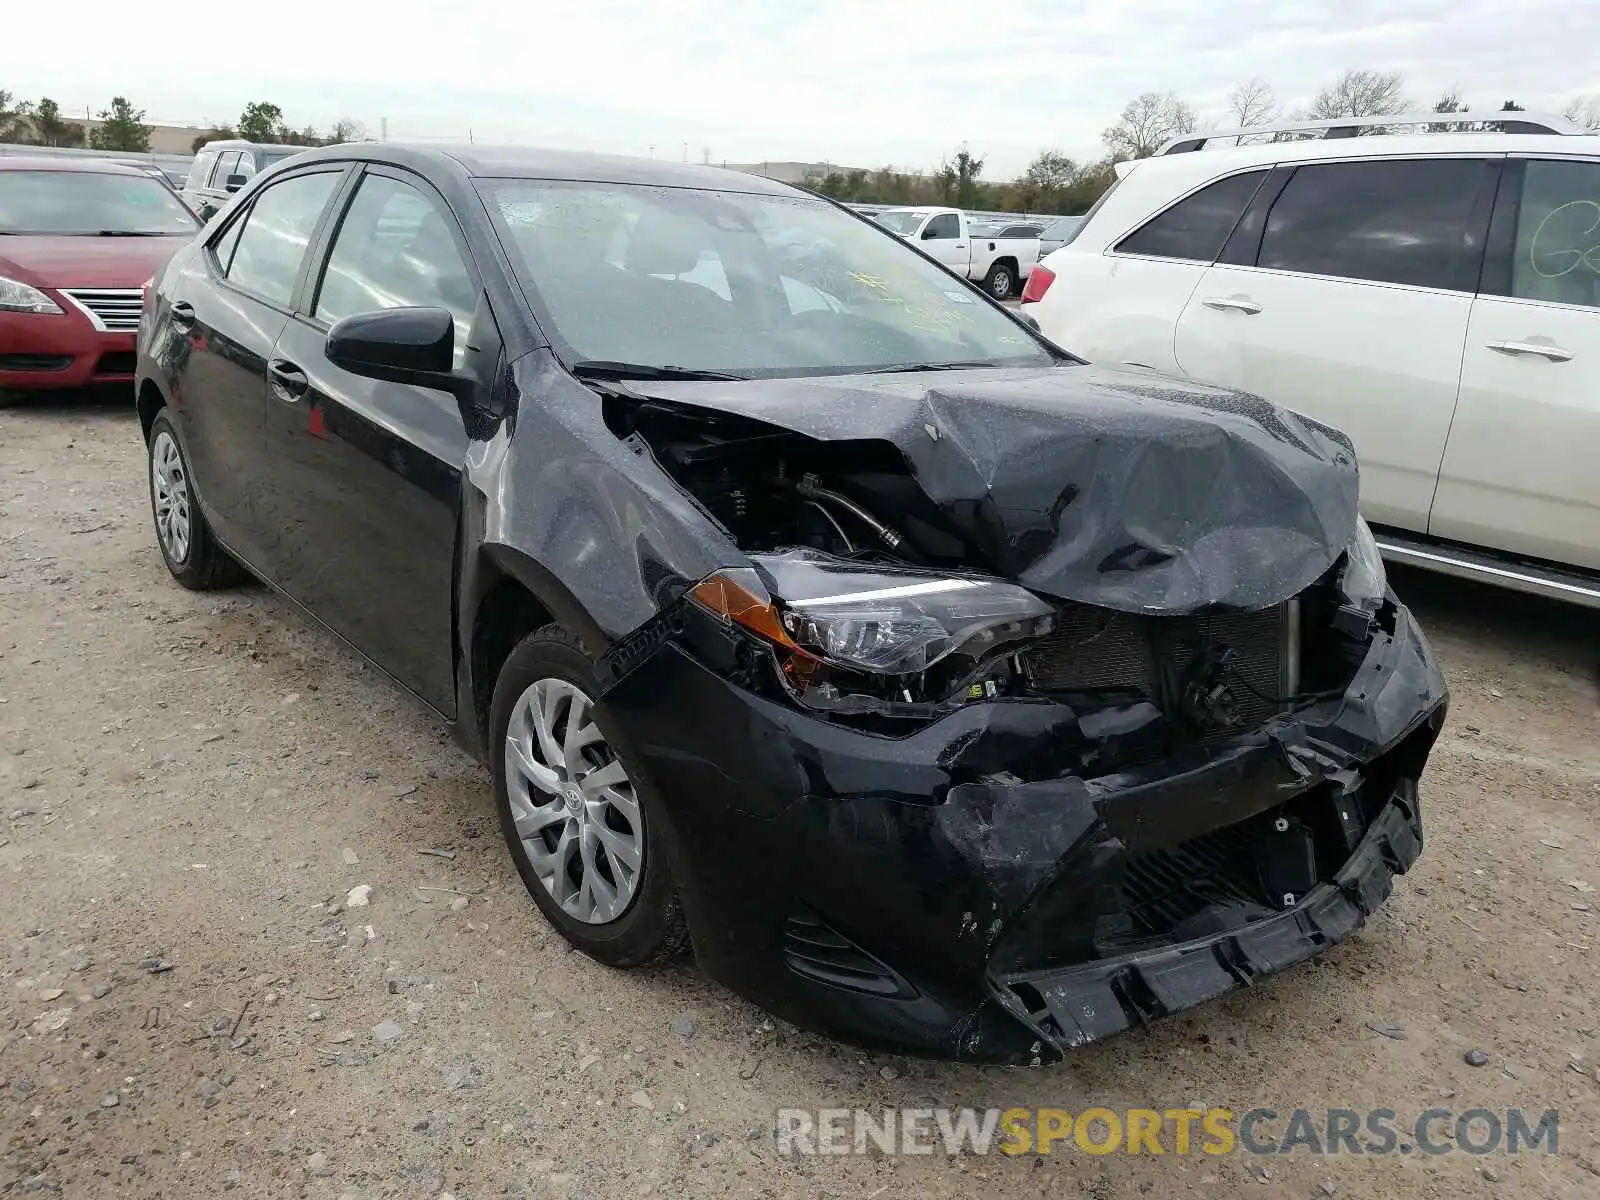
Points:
(860, 82)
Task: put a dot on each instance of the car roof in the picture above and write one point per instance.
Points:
(1406, 145)
(237, 144)
(44, 162)
(1146, 186)
(527, 162)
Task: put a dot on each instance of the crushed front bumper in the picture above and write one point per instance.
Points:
(1074, 1006)
(961, 892)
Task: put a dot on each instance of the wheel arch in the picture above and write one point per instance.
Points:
(512, 595)
(149, 401)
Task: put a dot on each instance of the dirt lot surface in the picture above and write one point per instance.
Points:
(191, 785)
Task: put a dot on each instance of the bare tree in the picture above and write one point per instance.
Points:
(1360, 93)
(1146, 123)
(1253, 102)
(346, 130)
(1584, 110)
(1450, 101)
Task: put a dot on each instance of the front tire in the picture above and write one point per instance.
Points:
(581, 824)
(1001, 281)
(192, 553)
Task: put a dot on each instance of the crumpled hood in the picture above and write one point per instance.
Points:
(1120, 489)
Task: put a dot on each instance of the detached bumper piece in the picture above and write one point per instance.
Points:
(1083, 1004)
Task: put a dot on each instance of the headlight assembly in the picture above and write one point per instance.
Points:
(16, 296)
(855, 635)
(1364, 581)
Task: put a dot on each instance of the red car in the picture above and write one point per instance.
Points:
(78, 240)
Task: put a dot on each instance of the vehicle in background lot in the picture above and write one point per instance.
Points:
(1057, 234)
(1435, 296)
(79, 238)
(1007, 229)
(949, 235)
(805, 620)
(221, 168)
(167, 180)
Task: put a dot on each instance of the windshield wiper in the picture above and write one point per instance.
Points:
(126, 233)
(603, 368)
(939, 366)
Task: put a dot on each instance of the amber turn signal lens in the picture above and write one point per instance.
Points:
(747, 603)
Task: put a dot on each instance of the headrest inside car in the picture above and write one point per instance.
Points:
(665, 244)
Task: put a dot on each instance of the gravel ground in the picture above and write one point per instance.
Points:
(190, 786)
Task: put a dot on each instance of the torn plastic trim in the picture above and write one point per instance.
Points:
(1072, 1007)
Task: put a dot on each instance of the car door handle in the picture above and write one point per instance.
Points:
(1233, 304)
(288, 381)
(182, 315)
(1544, 349)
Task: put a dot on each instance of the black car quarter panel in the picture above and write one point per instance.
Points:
(619, 540)
(218, 373)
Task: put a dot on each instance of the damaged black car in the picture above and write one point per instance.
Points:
(945, 693)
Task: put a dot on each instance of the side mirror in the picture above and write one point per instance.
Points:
(929, 234)
(414, 346)
(235, 182)
(1028, 319)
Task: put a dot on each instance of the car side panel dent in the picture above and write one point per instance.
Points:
(597, 534)
(571, 498)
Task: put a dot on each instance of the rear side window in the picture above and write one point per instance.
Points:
(1195, 227)
(266, 259)
(1397, 221)
(1557, 253)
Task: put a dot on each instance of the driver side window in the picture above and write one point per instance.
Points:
(945, 226)
(396, 249)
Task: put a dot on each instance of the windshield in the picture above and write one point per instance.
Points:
(740, 284)
(901, 220)
(89, 202)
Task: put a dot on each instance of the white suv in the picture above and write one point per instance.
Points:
(1436, 296)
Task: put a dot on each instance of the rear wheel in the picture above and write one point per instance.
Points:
(192, 554)
(577, 818)
(1001, 281)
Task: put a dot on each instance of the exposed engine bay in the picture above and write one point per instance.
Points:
(775, 490)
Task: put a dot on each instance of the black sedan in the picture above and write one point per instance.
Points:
(943, 692)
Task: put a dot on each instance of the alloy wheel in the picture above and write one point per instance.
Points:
(572, 803)
(169, 485)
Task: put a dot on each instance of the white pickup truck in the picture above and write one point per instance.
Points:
(947, 234)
